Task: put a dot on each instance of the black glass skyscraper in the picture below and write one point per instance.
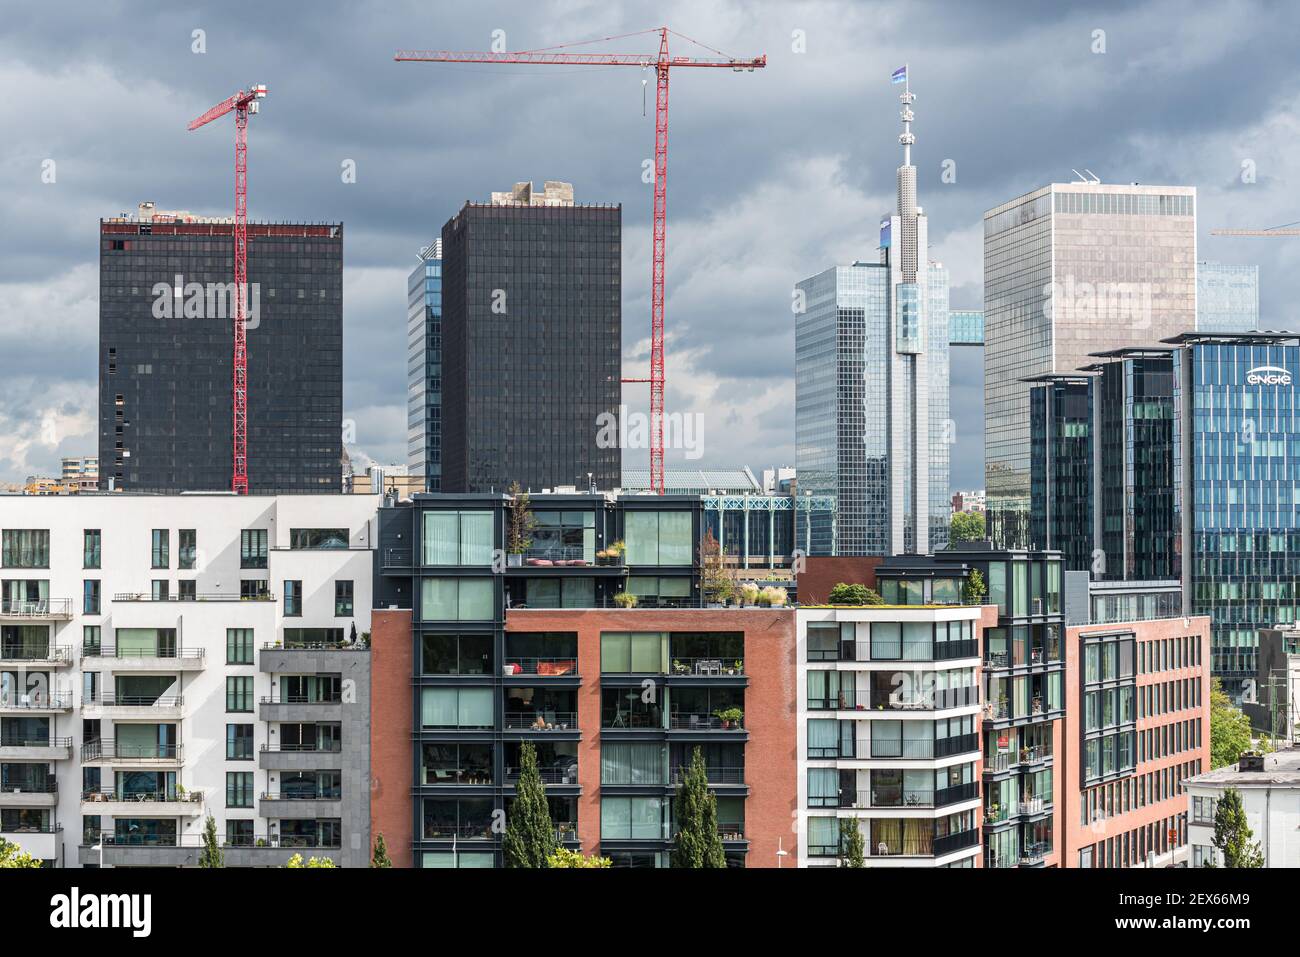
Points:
(166, 340)
(531, 343)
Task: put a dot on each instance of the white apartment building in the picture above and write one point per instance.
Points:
(1270, 795)
(888, 733)
(165, 658)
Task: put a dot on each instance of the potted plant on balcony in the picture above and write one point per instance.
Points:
(991, 813)
(715, 583)
(749, 593)
(611, 554)
(729, 717)
(773, 596)
(625, 599)
(679, 668)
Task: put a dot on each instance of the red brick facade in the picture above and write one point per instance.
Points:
(820, 575)
(391, 767)
(770, 759)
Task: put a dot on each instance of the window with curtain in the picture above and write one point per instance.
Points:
(823, 837)
(633, 818)
(456, 599)
(823, 738)
(918, 640)
(26, 548)
(633, 763)
(886, 640)
(634, 652)
(823, 787)
(1020, 588)
(456, 708)
(458, 538)
(658, 538)
(998, 586)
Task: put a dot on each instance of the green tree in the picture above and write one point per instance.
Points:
(564, 857)
(715, 583)
(1229, 728)
(973, 590)
(297, 862)
(13, 856)
(1232, 835)
(519, 530)
(966, 527)
(854, 594)
(852, 846)
(530, 833)
(380, 856)
(695, 808)
(210, 856)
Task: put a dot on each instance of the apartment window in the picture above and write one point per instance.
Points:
(457, 708)
(456, 655)
(239, 694)
(658, 538)
(239, 789)
(252, 548)
(318, 538)
(160, 590)
(188, 549)
(160, 548)
(253, 589)
(91, 540)
(634, 653)
(90, 596)
(187, 589)
(239, 646)
(633, 818)
(239, 742)
(26, 548)
(342, 598)
(292, 598)
(457, 538)
(634, 763)
(456, 599)
(90, 640)
(239, 833)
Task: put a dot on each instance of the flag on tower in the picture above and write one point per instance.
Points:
(899, 75)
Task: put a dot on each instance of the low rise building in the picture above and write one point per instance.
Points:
(1269, 786)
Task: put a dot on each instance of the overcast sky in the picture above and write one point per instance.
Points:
(773, 175)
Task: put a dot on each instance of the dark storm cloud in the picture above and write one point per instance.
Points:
(774, 175)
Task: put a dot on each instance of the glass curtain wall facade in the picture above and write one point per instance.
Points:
(1237, 491)
(1070, 270)
(1060, 420)
(424, 368)
(1227, 297)
(166, 339)
(531, 346)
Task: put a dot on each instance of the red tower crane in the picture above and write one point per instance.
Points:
(242, 103)
(662, 64)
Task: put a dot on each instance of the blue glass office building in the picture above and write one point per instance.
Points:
(1237, 487)
(424, 367)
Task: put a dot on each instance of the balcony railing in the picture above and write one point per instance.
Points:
(39, 608)
(302, 645)
(36, 700)
(463, 832)
(469, 776)
(22, 653)
(96, 795)
(558, 775)
(702, 721)
(919, 749)
(90, 839)
(106, 650)
(20, 741)
(309, 747)
(328, 795)
(927, 700)
(48, 786)
(566, 666)
(956, 842)
(714, 775)
(396, 557)
(541, 720)
(301, 699)
(1035, 853)
(108, 699)
(99, 749)
(144, 596)
(707, 667)
(1033, 805)
(955, 793)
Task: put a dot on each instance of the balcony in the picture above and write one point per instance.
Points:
(161, 803)
(149, 597)
(107, 751)
(35, 702)
(434, 831)
(561, 667)
(921, 749)
(300, 708)
(47, 609)
(1031, 806)
(1005, 761)
(43, 793)
(540, 721)
(16, 748)
(960, 841)
(106, 657)
(299, 757)
(20, 656)
(565, 775)
(184, 850)
(299, 805)
(708, 668)
(717, 777)
(136, 706)
(40, 841)
(396, 559)
(705, 721)
(1033, 855)
(894, 699)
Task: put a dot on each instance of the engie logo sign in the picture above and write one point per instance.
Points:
(1268, 375)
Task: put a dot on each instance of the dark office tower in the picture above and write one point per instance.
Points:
(531, 342)
(424, 368)
(166, 338)
(1060, 431)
